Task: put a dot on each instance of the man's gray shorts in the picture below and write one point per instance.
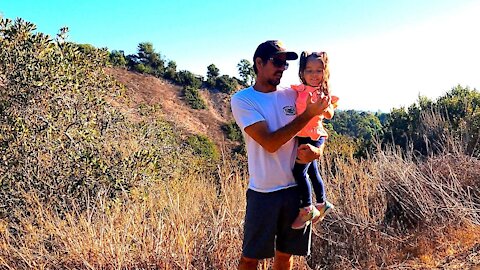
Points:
(268, 221)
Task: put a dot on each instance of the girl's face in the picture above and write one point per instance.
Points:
(313, 73)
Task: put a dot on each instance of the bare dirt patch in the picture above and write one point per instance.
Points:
(148, 90)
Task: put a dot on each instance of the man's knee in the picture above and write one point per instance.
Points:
(247, 263)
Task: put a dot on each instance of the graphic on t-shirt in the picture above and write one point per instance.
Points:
(289, 110)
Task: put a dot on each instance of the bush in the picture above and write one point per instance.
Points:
(226, 84)
(193, 98)
(233, 132)
(203, 146)
(142, 68)
(117, 59)
(60, 140)
(187, 78)
(171, 71)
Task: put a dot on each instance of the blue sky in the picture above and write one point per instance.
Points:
(383, 54)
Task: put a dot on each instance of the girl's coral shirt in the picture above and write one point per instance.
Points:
(314, 128)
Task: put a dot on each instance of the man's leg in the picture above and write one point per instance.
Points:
(261, 217)
(247, 263)
(282, 261)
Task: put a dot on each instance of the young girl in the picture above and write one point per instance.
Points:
(314, 75)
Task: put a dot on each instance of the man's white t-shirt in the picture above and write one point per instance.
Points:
(268, 171)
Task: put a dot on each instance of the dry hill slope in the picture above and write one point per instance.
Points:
(149, 90)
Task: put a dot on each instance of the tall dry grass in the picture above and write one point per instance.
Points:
(398, 209)
(185, 223)
(393, 211)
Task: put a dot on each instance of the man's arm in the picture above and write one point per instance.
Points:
(272, 141)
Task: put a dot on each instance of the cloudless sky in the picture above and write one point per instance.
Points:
(383, 54)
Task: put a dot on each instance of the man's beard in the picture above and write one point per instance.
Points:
(275, 82)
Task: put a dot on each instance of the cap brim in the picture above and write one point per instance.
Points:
(290, 55)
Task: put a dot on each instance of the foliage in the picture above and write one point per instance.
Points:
(454, 114)
(212, 74)
(171, 71)
(342, 145)
(58, 136)
(187, 78)
(361, 127)
(117, 58)
(86, 49)
(147, 60)
(226, 84)
(246, 72)
(233, 131)
(203, 146)
(420, 126)
(193, 98)
(52, 111)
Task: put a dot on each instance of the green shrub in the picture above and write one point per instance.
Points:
(202, 146)
(226, 84)
(187, 78)
(171, 71)
(233, 132)
(117, 59)
(193, 98)
(142, 68)
(60, 140)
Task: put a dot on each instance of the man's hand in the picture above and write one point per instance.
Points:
(318, 107)
(307, 153)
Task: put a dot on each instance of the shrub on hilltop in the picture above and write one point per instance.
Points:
(59, 138)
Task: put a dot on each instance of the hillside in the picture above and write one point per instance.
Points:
(145, 89)
(89, 184)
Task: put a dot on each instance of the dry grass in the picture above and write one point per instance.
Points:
(393, 212)
(181, 224)
(417, 217)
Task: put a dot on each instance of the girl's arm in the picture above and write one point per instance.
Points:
(328, 114)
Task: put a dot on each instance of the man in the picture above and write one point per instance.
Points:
(267, 119)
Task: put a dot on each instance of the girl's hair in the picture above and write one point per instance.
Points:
(322, 56)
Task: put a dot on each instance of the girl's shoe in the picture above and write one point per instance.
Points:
(324, 209)
(305, 216)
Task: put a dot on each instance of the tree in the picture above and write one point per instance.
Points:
(171, 70)
(149, 57)
(117, 58)
(212, 74)
(147, 60)
(246, 72)
(425, 123)
(187, 78)
(213, 71)
(226, 84)
(86, 48)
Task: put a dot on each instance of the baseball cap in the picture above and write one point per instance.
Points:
(272, 47)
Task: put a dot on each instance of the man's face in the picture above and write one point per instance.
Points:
(273, 69)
